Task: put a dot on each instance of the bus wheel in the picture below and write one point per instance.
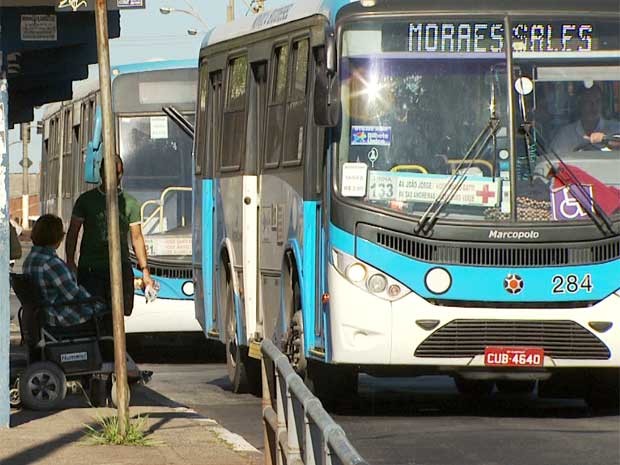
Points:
(604, 390)
(515, 387)
(294, 346)
(234, 357)
(474, 387)
(331, 383)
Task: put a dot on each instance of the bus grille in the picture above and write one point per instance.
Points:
(526, 255)
(172, 273)
(467, 338)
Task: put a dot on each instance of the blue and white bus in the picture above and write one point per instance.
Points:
(157, 156)
(376, 193)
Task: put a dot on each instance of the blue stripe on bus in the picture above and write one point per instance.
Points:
(470, 283)
(169, 288)
(308, 294)
(207, 251)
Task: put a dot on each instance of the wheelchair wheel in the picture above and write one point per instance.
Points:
(42, 386)
(113, 394)
(98, 392)
(14, 399)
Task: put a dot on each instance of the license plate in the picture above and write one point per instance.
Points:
(496, 356)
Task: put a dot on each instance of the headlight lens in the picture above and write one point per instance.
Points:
(377, 283)
(356, 272)
(438, 280)
(368, 278)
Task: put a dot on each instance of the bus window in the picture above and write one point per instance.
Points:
(296, 111)
(276, 108)
(67, 146)
(235, 114)
(201, 121)
(214, 116)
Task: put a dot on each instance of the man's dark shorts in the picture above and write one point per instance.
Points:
(97, 283)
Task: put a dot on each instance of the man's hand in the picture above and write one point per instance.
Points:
(146, 278)
(595, 138)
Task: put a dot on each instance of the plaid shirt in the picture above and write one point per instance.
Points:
(57, 285)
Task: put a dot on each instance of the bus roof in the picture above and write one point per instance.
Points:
(153, 66)
(87, 86)
(274, 17)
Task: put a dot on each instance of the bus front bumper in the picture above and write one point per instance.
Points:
(162, 315)
(367, 330)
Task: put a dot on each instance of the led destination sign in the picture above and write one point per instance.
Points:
(480, 37)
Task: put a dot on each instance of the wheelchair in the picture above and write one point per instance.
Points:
(58, 355)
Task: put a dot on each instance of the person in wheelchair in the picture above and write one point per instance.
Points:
(56, 282)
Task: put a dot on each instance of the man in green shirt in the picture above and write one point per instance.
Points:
(93, 270)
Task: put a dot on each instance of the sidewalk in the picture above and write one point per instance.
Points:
(179, 435)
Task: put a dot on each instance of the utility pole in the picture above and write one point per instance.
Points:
(230, 11)
(111, 188)
(25, 127)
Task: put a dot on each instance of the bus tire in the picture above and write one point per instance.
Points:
(243, 372)
(331, 383)
(604, 390)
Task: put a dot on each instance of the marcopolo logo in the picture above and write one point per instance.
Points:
(518, 235)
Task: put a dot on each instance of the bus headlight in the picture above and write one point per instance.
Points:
(377, 283)
(356, 272)
(438, 280)
(188, 288)
(368, 278)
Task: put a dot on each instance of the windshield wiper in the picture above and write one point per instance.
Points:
(598, 216)
(429, 218)
(181, 121)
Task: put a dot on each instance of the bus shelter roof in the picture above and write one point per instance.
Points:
(45, 48)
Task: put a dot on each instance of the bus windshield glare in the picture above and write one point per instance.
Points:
(418, 96)
(157, 156)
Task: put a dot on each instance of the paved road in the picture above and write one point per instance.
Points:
(421, 421)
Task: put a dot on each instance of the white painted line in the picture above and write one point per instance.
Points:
(234, 440)
(237, 442)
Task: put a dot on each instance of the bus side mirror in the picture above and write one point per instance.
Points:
(326, 86)
(94, 152)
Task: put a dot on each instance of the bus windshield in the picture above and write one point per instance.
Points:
(158, 162)
(418, 96)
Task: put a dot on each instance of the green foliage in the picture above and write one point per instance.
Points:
(108, 432)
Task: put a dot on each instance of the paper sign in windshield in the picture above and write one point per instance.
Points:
(354, 177)
(567, 202)
(159, 127)
(166, 246)
(417, 187)
(371, 135)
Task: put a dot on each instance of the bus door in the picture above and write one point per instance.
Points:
(209, 212)
(251, 198)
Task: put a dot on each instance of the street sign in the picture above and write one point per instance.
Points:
(69, 6)
(131, 4)
(28, 162)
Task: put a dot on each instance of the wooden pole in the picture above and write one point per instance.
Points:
(120, 365)
(230, 11)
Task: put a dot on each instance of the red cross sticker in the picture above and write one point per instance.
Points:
(486, 194)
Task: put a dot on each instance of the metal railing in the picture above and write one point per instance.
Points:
(296, 427)
(160, 207)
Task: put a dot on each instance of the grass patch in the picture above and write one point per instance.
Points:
(108, 432)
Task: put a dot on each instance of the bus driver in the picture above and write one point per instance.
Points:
(590, 128)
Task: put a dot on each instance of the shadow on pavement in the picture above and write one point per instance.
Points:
(37, 453)
(407, 398)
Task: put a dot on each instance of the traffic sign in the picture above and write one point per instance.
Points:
(28, 162)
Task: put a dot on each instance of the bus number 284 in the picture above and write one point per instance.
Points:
(571, 283)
